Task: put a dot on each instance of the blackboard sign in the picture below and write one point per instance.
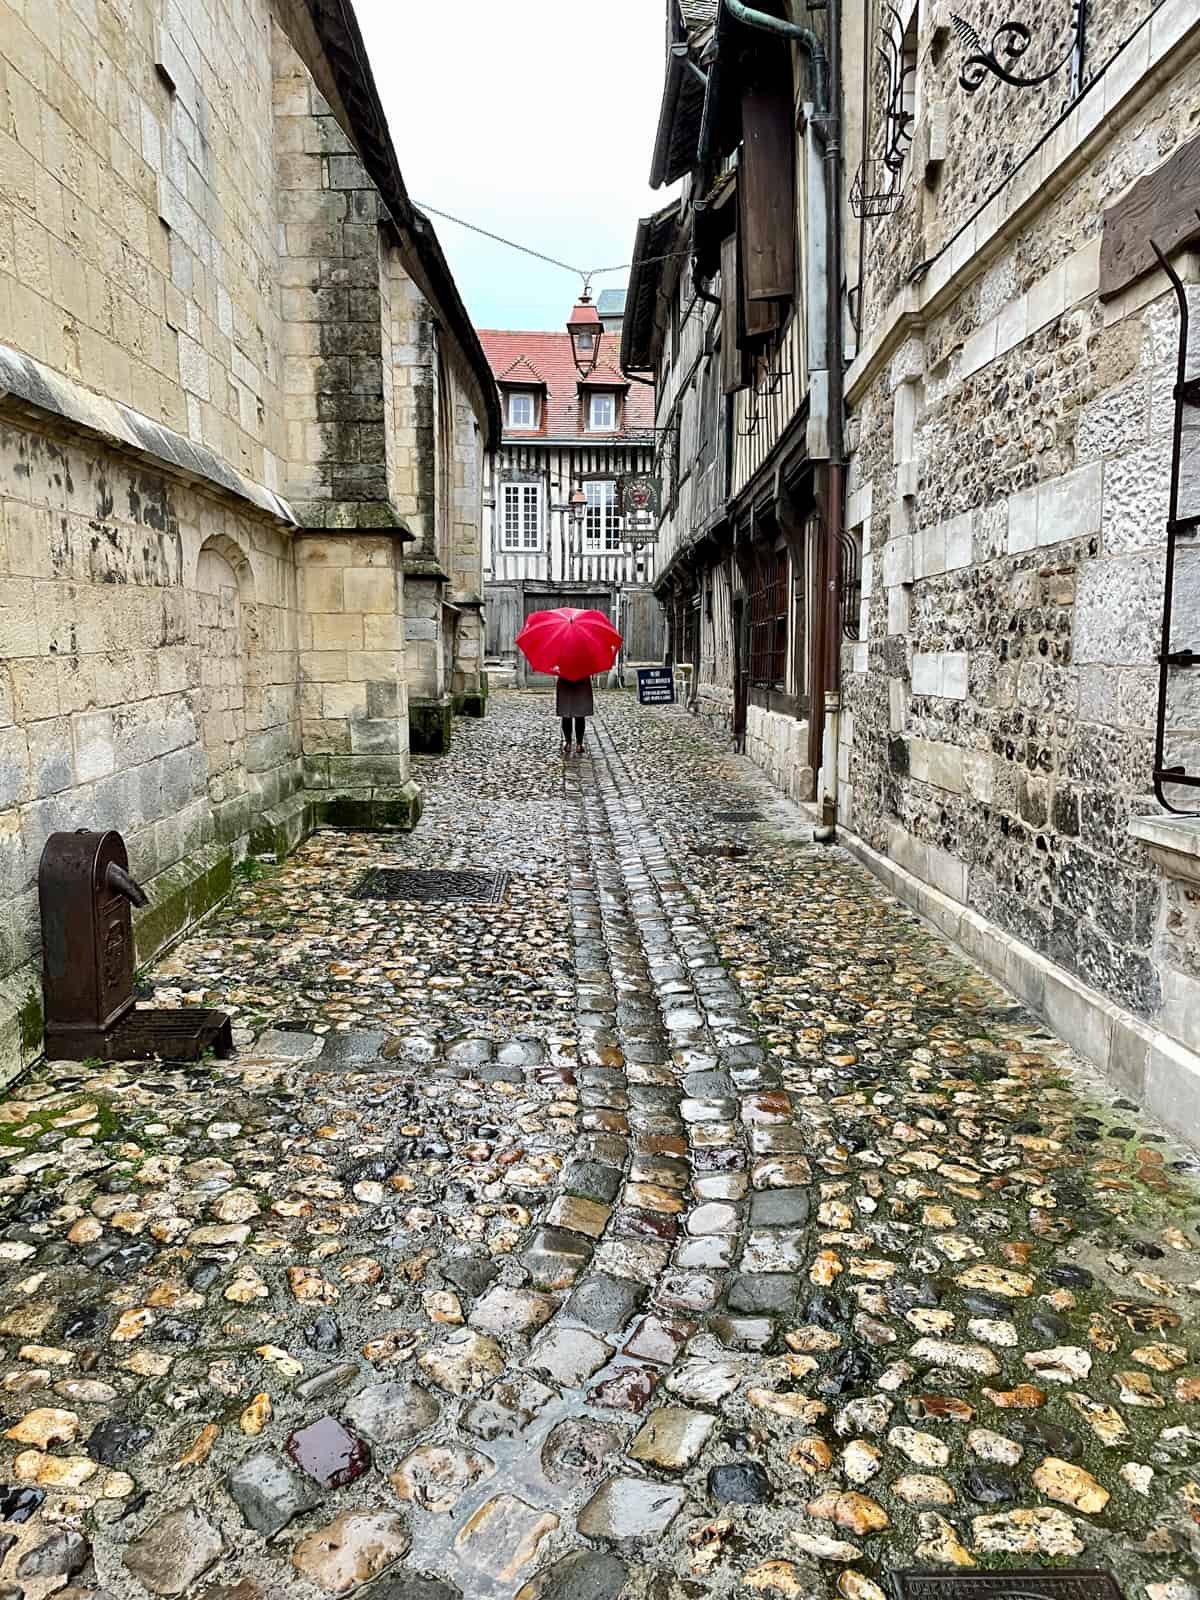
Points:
(656, 686)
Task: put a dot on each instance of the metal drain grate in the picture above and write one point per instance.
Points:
(432, 886)
(1004, 1586)
(736, 816)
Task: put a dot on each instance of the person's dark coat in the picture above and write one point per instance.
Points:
(573, 697)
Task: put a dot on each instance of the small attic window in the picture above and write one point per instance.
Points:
(602, 413)
(522, 409)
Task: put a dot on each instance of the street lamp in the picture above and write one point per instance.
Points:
(575, 506)
(586, 332)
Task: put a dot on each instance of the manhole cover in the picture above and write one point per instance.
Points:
(735, 816)
(429, 886)
(1004, 1586)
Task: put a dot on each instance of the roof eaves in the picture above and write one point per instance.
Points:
(654, 236)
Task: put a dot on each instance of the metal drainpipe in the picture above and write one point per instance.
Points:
(826, 70)
(836, 471)
(804, 37)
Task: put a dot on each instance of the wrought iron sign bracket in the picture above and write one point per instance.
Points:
(898, 113)
(1009, 43)
(1187, 394)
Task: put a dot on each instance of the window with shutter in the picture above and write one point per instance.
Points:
(767, 196)
(733, 364)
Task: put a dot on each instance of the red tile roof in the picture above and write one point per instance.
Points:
(548, 357)
(521, 371)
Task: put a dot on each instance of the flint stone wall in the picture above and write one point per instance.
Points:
(1011, 447)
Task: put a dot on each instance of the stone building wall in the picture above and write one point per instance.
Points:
(335, 309)
(1011, 437)
(444, 567)
(208, 470)
(149, 684)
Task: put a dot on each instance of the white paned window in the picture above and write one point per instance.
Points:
(602, 413)
(522, 409)
(600, 531)
(521, 516)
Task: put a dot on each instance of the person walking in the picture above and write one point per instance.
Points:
(574, 703)
(573, 645)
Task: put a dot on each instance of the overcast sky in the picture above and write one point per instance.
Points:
(534, 119)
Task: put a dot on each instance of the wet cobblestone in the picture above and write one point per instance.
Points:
(693, 1223)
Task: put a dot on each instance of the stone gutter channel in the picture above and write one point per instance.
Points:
(675, 1096)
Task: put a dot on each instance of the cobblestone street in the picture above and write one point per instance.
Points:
(691, 1222)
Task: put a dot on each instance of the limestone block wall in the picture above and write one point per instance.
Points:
(203, 309)
(424, 657)
(135, 253)
(778, 743)
(1011, 436)
(336, 314)
(354, 707)
(442, 481)
(409, 390)
(147, 683)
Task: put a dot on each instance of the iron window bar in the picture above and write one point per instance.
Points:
(768, 380)
(1187, 393)
(753, 418)
(851, 587)
(768, 620)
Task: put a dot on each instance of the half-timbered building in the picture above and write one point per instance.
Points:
(567, 435)
(729, 309)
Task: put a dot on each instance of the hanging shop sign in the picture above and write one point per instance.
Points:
(640, 499)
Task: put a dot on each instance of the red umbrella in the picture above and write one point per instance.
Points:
(570, 644)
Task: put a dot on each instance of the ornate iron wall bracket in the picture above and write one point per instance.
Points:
(1010, 41)
(1187, 395)
(901, 76)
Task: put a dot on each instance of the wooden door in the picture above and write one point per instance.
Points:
(643, 623)
(741, 671)
(503, 618)
(551, 600)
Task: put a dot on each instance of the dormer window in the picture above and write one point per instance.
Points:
(522, 409)
(602, 413)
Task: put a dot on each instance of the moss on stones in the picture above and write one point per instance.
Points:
(474, 702)
(430, 726)
(31, 1021)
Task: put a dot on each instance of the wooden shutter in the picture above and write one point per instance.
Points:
(767, 191)
(733, 376)
(755, 318)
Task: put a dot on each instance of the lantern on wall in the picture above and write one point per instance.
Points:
(586, 332)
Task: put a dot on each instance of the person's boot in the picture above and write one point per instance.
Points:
(578, 749)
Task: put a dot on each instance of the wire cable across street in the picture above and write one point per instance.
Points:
(538, 255)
